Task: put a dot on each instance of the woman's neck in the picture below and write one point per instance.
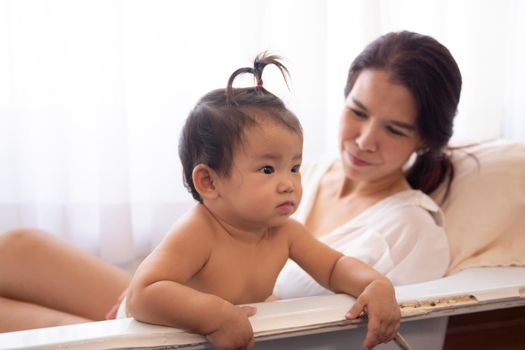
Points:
(346, 199)
(378, 189)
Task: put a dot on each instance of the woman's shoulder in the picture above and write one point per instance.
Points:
(411, 208)
(414, 225)
(415, 198)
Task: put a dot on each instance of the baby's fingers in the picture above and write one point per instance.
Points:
(355, 310)
(379, 331)
(375, 335)
(251, 345)
(249, 310)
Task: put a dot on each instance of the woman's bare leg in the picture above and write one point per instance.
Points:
(39, 269)
(18, 315)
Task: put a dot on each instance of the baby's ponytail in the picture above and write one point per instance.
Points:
(261, 61)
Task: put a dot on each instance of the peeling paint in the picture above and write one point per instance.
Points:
(424, 306)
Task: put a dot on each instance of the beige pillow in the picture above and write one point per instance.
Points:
(485, 211)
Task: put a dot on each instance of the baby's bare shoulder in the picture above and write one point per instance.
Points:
(194, 225)
(292, 229)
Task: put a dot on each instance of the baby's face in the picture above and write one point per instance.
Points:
(264, 186)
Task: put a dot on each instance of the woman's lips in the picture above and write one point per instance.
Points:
(357, 161)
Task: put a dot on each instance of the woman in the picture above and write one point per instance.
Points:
(401, 97)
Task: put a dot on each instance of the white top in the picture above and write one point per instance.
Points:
(401, 236)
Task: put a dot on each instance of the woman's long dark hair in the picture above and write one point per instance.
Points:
(428, 70)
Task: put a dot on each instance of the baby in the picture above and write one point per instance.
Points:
(241, 151)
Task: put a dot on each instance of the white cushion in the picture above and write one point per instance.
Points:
(485, 211)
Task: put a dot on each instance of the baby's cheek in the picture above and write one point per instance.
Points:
(298, 194)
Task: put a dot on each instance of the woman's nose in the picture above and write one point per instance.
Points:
(367, 139)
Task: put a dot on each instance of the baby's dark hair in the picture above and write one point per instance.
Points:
(216, 125)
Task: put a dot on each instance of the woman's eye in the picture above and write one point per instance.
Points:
(395, 131)
(358, 113)
(296, 168)
(267, 169)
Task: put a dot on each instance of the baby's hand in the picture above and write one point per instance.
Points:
(235, 331)
(379, 302)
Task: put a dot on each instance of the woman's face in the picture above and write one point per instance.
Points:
(378, 128)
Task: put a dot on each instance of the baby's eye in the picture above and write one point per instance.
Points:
(296, 168)
(267, 169)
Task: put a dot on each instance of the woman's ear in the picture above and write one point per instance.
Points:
(422, 148)
(204, 180)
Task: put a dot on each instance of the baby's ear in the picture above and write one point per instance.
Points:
(204, 180)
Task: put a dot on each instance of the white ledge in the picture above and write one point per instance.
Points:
(472, 290)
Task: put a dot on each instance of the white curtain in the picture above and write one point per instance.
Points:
(93, 94)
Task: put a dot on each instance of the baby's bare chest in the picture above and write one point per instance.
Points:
(241, 275)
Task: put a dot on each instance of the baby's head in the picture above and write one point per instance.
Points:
(216, 126)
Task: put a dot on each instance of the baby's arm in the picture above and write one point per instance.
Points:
(342, 274)
(158, 292)
(375, 295)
